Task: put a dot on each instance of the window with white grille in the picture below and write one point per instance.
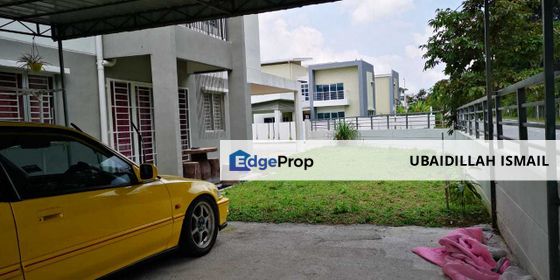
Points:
(214, 111)
(26, 97)
(132, 104)
(305, 91)
(184, 125)
(41, 107)
(145, 121)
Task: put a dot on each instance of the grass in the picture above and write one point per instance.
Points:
(381, 203)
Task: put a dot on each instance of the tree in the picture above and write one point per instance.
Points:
(419, 106)
(421, 95)
(458, 42)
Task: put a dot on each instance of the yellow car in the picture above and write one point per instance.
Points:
(72, 208)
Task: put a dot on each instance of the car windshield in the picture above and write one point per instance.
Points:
(42, 165)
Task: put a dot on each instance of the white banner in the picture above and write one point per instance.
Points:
(385, 160)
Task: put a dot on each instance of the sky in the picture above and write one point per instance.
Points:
(385, 33)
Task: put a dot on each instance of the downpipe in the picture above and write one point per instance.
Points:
(101, 64)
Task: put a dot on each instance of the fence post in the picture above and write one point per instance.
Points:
(290, 130)
(429, 115)
(328, 124)
(470, 119)
(485, 119)
(371, 122)
(522, 115)
(406, 117)
(499, 125)
(476, 125)
(388, 125)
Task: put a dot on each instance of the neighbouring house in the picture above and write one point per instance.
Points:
(182, 86)
(350, 89)
(341, 89)
(274, 114)
(388, 93)
(403, 98)
(280, 106)
(328, 91)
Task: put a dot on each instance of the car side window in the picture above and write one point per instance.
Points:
(48, 164)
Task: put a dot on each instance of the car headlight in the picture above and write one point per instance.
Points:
(220, 194)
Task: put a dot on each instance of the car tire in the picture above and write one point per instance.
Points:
(200, 228)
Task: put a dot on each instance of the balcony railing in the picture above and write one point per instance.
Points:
(216, 28)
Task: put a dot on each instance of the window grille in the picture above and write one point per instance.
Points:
(132, 103)
(18, 102)
(184, 124)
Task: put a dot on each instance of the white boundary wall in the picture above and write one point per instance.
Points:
(522, 219)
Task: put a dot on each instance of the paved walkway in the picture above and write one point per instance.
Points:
(288, 251)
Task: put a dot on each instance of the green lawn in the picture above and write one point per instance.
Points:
(381, 203)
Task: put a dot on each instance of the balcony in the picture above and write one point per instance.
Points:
(331, 103)
(216, 28)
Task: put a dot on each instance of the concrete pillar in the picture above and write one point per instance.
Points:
(277, 120)
(166, 103)
(298, 113)
(239, 93)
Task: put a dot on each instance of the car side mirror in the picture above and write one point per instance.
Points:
(148, 171)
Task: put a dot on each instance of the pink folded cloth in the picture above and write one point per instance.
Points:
(463, 256)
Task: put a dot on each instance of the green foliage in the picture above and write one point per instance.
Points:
(32, 62)
(345, 131)
(458, 42)
(419, 106)
(463, 192)
(401, 109)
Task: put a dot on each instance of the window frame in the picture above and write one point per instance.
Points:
(79, 138)
(326, 92)
(305, 91)
(222, 98)
(323, 116)
(137, 152)
(26, 106)
(185, 133)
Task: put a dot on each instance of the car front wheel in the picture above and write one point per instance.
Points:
(200, 228)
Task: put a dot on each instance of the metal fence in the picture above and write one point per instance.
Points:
(274, 131)
(383, 122)
(514, 118)
(521, 126)
(216, 28)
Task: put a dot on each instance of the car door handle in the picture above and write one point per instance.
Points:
(50, 215)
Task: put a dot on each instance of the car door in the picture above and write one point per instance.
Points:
(10, 267)
(83, 212)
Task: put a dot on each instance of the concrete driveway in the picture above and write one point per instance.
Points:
(288, 251)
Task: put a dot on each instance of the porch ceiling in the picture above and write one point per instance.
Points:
(73, 19)
(257, 89)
